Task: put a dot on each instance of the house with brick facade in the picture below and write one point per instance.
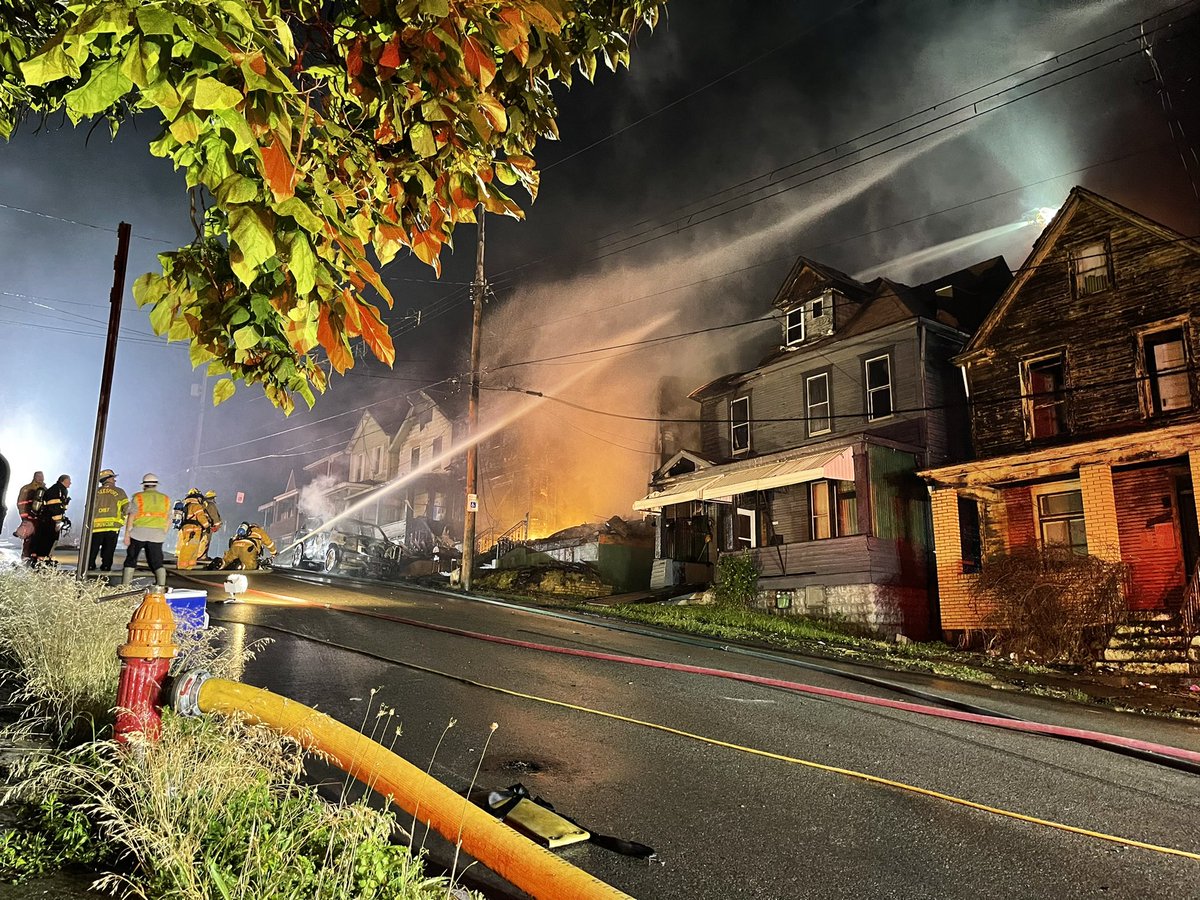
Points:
(1085, 413)
(808, 462)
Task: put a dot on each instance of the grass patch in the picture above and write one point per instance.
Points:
(213, 810)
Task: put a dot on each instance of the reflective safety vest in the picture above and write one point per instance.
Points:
(151, 510)
(111, 506)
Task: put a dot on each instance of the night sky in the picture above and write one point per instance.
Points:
(899, 138)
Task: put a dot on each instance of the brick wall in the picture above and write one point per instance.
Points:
(1100, 512)
(953, 586)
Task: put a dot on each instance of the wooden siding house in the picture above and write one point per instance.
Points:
(436, 493)
(808, 462)
(1085, 406)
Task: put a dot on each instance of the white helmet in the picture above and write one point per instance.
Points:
(149, 478)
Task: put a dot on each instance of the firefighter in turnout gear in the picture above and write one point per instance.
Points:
(194, 526)
(107, 518)
(214, 515)
(246, 546)
(51, 519)
(146, 525)
(29, 504)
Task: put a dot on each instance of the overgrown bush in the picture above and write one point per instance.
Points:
(737, 580)
(1053, 606)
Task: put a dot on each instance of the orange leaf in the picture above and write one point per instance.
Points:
(354, 59)
(390, 58)
(341, 357)
(479, 62)
(278, 170)
(376, 335)
(427, 245)
(353, 320)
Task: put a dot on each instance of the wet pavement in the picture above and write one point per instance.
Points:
(744, 790)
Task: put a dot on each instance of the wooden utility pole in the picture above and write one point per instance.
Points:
(478, 291)
(110, 359)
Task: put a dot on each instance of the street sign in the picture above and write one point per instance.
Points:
(239, 497)
(472, 503)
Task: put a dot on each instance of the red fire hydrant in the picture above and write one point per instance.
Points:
(145, 660)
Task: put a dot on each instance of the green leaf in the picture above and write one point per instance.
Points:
(199, 354)
(421, 137)
(222, 391)
(285, 37)
(208, 93)
(253, 232)
(243, 137)
(160, 317)
(236, 189)
(155, 20)
(305, 217)
(50, 65)
(303, 263)
(439, 8)
(104, 88)
(149, 288)
(246, 337)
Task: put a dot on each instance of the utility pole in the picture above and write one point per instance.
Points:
(478, 289)
(110, 359)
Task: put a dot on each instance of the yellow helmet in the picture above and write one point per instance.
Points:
(106, 473)
(194, 492)
(210, 495)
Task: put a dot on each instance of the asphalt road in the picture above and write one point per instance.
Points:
(755, 816)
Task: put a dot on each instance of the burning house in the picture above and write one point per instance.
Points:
(809, 461)
(1085, 403)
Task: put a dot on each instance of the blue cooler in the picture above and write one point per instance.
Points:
(188, 605)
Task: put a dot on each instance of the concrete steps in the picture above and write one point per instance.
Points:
(1150, 644)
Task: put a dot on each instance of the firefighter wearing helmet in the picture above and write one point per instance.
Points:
(194, 523)
(246, 547)
(108, 516)
(214, 515)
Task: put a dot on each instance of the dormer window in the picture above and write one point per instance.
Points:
(1091, 269)
(793, 327)
(818, 307)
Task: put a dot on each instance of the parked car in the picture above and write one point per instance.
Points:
(348, 545)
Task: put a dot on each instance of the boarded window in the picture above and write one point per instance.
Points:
(1060, 521)
(1166, 370)
(1090, 263)
(817, 389)
(739, 424)
(1046, 396)
(822, 511)
(879, 387)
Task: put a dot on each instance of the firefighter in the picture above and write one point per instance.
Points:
(29, 503)
(51, 519)
(146, 524)
(108, 515)
(194, 526)
(247, 544)
(214, 515)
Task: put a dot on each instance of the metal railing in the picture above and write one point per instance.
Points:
(515, 536)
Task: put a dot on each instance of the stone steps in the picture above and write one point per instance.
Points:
(1151, 643)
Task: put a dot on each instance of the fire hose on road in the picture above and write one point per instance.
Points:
(514, 857)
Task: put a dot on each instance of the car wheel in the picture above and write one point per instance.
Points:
(298, 557)
(331, 559)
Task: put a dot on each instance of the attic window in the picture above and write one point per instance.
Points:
(1090, 264)
(818, 307)
(739, 424)
(793, 327)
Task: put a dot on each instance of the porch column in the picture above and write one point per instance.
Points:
(1100, 512)
(1194, 464)
(947, 542)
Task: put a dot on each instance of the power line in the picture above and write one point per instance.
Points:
(45, 215)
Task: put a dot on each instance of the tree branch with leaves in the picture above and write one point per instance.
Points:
(325, 138)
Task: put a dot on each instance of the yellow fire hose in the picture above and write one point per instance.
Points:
(514, 857)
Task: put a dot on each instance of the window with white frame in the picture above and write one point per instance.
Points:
(816, 389)
(739, 424)
(1091, 267)
(793, 327)
(818, 307)
(1166, 371)
(1060, 520)
(745, 531)
(878, 371)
